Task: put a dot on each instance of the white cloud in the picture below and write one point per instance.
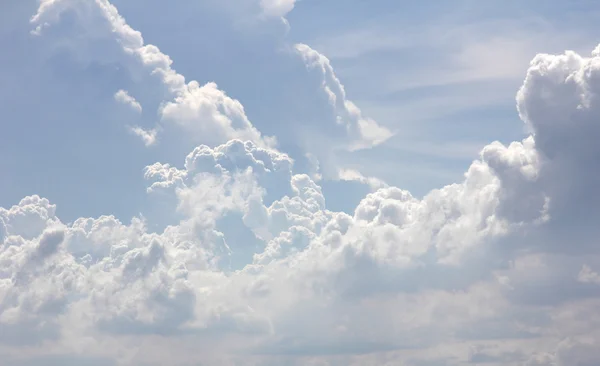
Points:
(205, 113)
(122, 96)
(481, 270)
(362, 131)
(353, 175)
(195, 105)
(147, 136)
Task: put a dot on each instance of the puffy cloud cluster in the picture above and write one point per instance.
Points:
(204, 112)
(501, 268)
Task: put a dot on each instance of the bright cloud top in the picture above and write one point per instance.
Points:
(205, 112)
(501, 267)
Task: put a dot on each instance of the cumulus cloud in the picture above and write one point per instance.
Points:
(362, 131)
(350, 129)
(497, 268)
(205, 113)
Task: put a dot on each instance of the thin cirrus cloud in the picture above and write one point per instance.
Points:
(500, 267)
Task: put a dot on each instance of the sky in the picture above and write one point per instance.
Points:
(299, 182)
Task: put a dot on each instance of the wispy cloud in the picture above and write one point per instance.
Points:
(449, 52)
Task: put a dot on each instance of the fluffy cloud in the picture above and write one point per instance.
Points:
(205, 113)
(498, 268)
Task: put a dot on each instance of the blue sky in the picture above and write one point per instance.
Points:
(250, 177)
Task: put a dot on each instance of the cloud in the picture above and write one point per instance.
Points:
(363, 132)
(353, 175)
(587, 275)
(122, 96)
(205, 113)
(350, 130)
(29, 218)
(494, 268)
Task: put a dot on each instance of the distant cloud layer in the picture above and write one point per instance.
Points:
(501, 268)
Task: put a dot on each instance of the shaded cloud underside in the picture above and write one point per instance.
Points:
(501, 268)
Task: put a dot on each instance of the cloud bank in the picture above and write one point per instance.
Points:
(500, 268)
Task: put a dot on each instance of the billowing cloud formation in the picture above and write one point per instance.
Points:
(204, 112)
(351, 130)
(500, 268)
